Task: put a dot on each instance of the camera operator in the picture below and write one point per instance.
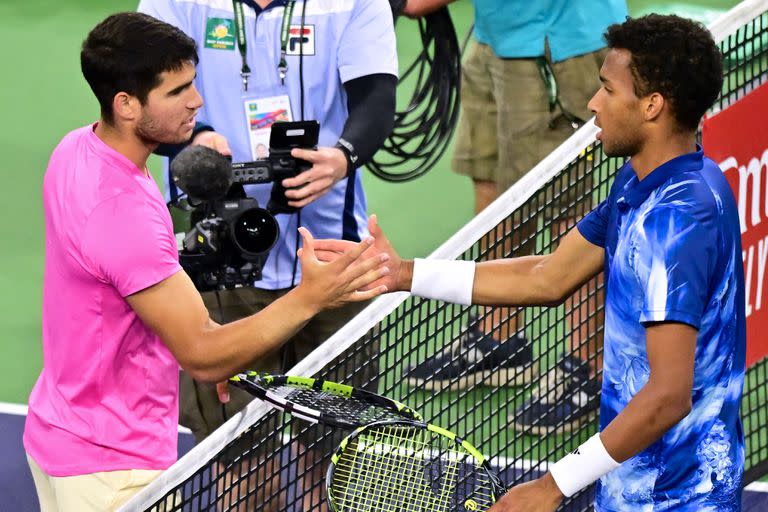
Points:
(119, 314)
(330, 61)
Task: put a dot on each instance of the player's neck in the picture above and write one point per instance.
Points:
(656, 152)
(263, 3)
(125, 142)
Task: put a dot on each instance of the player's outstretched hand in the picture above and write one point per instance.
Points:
(350, 277)
(540, 495)
(329, 250)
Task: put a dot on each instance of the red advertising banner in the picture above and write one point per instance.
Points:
(737, 139)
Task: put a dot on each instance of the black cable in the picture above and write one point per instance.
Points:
(301, 92)
(424, 128)
(296, 249)
(301, 55)
(467, 37)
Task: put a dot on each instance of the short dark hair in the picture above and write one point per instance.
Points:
(675, 57)
(127, 52)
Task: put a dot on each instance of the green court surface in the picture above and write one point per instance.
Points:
(43, 96)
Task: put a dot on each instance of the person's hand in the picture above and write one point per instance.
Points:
(329, 250)
(329, 165)
(348, 278)
(540, 495)
(212, 140)
(222, 389)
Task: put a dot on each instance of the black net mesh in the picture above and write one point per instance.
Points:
(272, 466)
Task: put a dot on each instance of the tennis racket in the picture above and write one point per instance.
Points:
(409, 467)
(322, 401)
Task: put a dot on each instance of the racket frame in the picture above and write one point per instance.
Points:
(259, 385)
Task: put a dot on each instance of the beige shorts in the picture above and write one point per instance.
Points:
(94, 492)
(506, 126)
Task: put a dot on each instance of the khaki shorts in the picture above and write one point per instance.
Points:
(94, 492)
(200, 408)
(505, 126)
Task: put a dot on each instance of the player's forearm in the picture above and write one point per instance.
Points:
(519, 281)
(648, 416)
(224, 350)
(653, 411)
(511, 282)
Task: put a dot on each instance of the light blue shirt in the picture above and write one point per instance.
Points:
(518, 28)
(673, 254)
(352, 38)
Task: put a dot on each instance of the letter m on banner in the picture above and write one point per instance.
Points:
(737, 139)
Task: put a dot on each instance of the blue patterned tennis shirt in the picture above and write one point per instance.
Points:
(673, 254)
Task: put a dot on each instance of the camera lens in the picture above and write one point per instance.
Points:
(255, 231)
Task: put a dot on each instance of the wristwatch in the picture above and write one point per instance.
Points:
(348, 149)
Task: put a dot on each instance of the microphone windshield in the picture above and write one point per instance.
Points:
(203, 173)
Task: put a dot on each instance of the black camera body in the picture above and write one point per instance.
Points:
(231, 234)
(277, 167)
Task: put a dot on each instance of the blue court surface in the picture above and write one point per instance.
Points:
(17, 491)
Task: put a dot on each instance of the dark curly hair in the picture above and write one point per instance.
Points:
(675, 57)
(127, 52)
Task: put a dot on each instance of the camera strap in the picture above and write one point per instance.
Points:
(242, 43)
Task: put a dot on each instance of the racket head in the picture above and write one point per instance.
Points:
(398, 466)
(323, 401)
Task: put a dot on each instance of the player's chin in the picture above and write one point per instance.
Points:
(180, 137)
(610, 148)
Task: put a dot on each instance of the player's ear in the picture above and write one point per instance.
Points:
(654, 105)
(125, 107)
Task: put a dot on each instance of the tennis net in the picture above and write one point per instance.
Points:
(260, 461)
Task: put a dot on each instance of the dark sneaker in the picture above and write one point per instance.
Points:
(565, 398)
(476, 359)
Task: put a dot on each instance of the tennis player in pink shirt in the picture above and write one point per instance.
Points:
(119, 313)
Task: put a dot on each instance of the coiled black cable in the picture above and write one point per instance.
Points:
(423, 129)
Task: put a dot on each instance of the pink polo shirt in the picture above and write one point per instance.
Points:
(107, 397)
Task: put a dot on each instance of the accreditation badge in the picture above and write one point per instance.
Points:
(260, 115)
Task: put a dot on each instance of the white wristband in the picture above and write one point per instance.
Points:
(579, 469)
(448, 280)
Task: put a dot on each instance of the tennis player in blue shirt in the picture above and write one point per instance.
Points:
(668, 241)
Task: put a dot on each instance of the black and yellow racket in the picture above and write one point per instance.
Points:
(322, 401)
(409, 467)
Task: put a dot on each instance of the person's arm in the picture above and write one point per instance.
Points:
(368, 97)
(525, 281)
(212, 352)
(666, 397)
(661, 403)
(528, 280)
(417, 8)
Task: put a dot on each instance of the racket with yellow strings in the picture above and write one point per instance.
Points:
(399, 466)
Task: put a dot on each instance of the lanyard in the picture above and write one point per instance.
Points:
(242, 44)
